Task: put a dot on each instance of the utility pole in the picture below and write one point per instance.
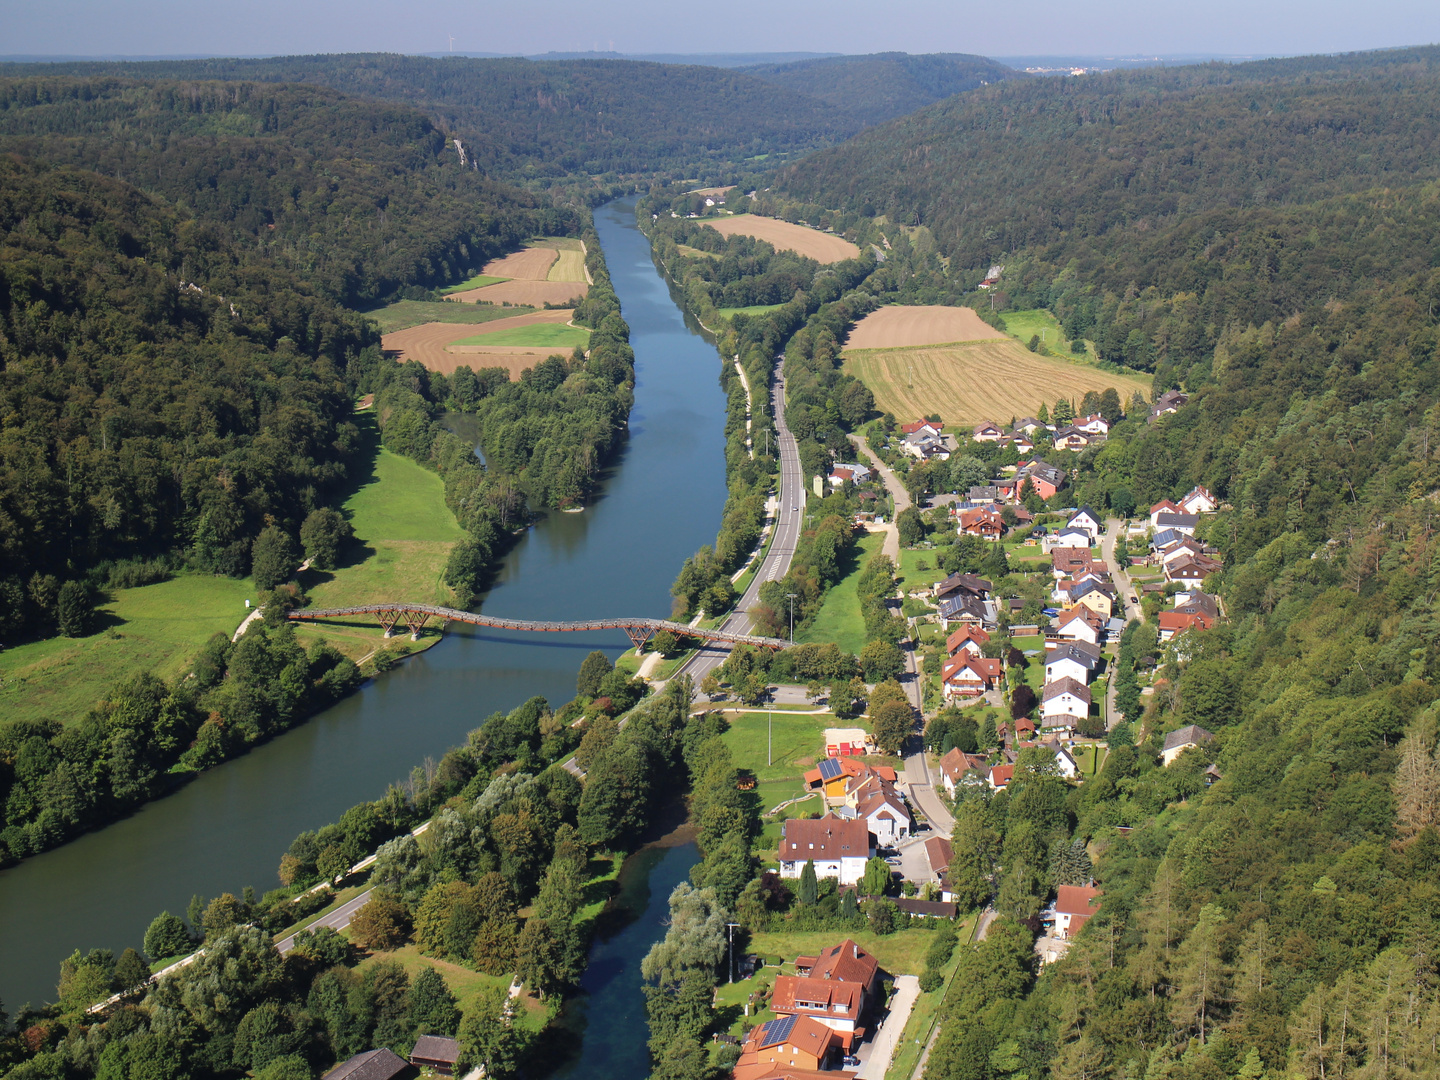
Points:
(791, 597)
(731, 927)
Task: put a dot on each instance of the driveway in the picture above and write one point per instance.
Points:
(875, 1055)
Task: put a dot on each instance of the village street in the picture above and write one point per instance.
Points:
(1120, 576)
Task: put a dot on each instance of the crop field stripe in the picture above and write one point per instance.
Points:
(570, 266)
(964, 384)
(541, 335)
(811, 243)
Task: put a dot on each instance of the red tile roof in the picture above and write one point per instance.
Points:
(846, 962)
(827, 838)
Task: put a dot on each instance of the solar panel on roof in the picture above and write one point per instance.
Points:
(777, 1031)
(830, 768)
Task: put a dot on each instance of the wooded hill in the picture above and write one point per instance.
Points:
(524, 119)
(881, 86)
(360, 198)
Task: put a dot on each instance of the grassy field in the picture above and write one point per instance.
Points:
(798, 742)
(155, 628)
(404, 533)
(409, 313)
(914, 577)
(465, 984)
(924, 1014)
(839, 619)
(1027, 324)
(901, 953)
(537, 335)
(479, 281)
(570, 266)
(695, 253)
(753, 309)
(985, 380)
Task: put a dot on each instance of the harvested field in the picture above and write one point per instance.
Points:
(407, 313)
(710, 192)
(536, 335)
(897, 327)
(532, 264)
(530, 293)
(812, 243)
(570, 266)
(433, 344)
(986, 380)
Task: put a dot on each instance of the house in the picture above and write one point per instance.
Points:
(984, 493)
(1184, 548)
(1066, 763)
(379, 1064)
(1024, 729)
(436, 1053)
(970, 638)
(1086, 520)
(955, 764)
(836, 775)
(1081, 624)
(926, 909)
(972, 584)
(1167, 403)
(1173, 623)
(837, 988)
(1044, 478)
(1192, 572)
(1198, 603)
(1176, 522)
(967, 675)
(982, 521)
(1064, 697)
(1164, 506)
(1029, 425)
(1065, 661)
(796, 1041)
(1199, 501)
(838, 848)
(923, 445)
(922, 427)
(1065, 537)
(987, 432)
(1075, 905)
(1069, 560)
(938, 851)
(855, 474)
(884, 813)
(965, 608)
(1094, 424)
(1072, 438)
(1095, 595)
(1177, 742)
(1000, 776)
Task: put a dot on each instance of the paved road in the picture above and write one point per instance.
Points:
(1121, 577)
(790, 516)
(338, 919)
(881, 1048)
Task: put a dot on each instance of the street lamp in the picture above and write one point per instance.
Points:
(791, 596)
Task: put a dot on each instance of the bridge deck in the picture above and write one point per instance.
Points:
(415, 615)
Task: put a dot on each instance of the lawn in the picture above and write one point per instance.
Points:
(479, 281)
(537, 335)
(925, 1014)
(695, 253)
(798, 741)
(900, 953)
(914, 577)
(157, 628)
(984, 380)
(403, 536)
(839, 618)
(1027, 324)
(407, 313)
(753, 309)
(465, 984)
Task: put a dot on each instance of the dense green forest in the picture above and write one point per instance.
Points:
(361, 199)
(882, 86)
(531, 120)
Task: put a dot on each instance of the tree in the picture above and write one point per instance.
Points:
(382, 923)
(432, 1005)
(85, 980)
(1063, 412)
(809, 885)
(272, 558)
(884, 916)
(289, 1067)
(595, 667)
(167, 936)
(891, 724)
(131, 971)
(876, 880)
(695, 941)
(974, 844)
(665, 643)
(911, 526)
(75, 608)
(488, 1037)
(323, 535)
(1199, 975)
(880, 660)
(222, 913)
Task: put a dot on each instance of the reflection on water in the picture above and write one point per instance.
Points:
(229, 827)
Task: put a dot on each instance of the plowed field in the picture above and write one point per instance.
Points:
(987, 380)
(428, 344)
(812, 243)
(532, 263)
(896, 327)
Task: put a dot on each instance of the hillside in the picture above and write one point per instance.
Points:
(361, 198)
(881, 86)
(526, 119)
(1031, 161)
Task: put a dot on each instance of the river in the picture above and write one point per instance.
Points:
(228, 828)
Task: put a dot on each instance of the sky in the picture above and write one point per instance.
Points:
(1014, 27)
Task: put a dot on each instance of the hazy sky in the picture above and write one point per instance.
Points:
(1006, 27)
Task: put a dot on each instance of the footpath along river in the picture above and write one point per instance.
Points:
(229, 827)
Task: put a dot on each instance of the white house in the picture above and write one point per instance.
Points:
(1066, 764)
(1067, 662)
(883, 812)
(1164, 506)
(1067, 537)
(987, 432)
(838, 848)
(1177, 742)
(1199, 501)
(1095, 424)
(1080, 624)
(1180, 523)
(1064, 697)
(1086, 520)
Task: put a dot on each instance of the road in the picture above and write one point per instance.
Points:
(338, 919)
(876, 1054)
(1128, 611)
(790, 515)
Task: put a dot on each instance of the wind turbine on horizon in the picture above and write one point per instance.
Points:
(452, 42)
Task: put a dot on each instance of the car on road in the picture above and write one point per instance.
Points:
(1134, 599)
(851, 1061)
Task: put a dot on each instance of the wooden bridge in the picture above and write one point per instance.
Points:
(415, 616)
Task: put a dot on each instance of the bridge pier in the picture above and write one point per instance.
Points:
(638, 635)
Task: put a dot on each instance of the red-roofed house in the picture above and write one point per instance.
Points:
(1000, 776)
(955, 764)
(981, 521)
(1064, 697)
(1177, 622)
(837, 988)
(1074, 907)
(838, 847)
(1080, 623)
(923, 427)
(966, 675)
(1164, 506)
(987, 432)
(794, 1041)
(970, 638)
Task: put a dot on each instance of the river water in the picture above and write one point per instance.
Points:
(228, 828)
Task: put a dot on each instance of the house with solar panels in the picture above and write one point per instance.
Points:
(795, 1042)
